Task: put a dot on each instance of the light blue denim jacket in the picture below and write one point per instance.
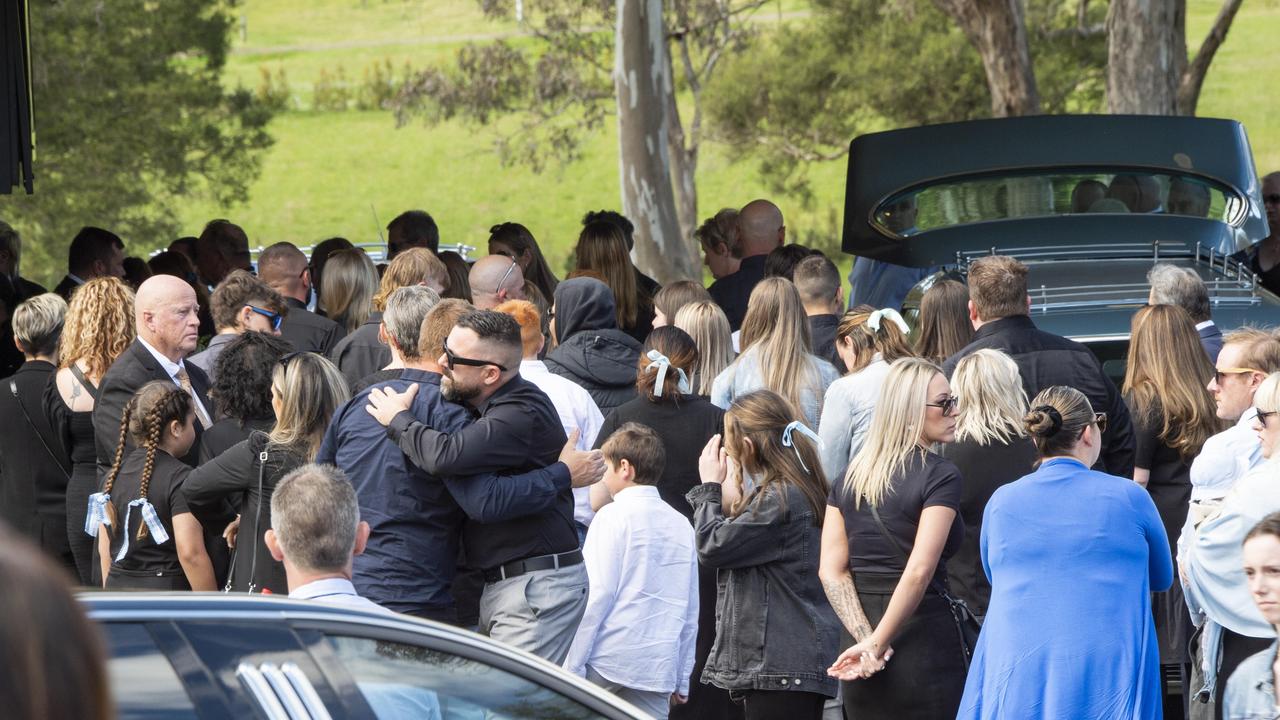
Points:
(1251, 691)
(744, 376)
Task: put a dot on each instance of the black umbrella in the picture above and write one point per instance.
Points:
(15, 97)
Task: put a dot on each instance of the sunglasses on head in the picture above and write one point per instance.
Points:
(451, 360)
(284, 359)
(275, 317)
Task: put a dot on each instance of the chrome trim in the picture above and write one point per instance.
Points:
(256, 683)
(306, 692)
(285, 692)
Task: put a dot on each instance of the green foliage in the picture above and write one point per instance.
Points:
(331, 92)
(131, 116)
(273, 90)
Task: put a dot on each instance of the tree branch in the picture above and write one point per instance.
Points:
(1193, 77)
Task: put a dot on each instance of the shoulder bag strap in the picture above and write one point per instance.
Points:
(902, 553)
(13, 388)
(80, 376)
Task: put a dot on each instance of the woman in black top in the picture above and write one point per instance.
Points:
(147, 536)
(685, 422)
(305, 390)
(890, 526)
(242, 391)
(991, 449)
(1173, 414)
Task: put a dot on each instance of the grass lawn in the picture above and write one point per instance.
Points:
(328, 168)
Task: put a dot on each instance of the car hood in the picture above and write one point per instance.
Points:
(888, 165)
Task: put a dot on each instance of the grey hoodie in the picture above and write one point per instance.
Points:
(593, 352)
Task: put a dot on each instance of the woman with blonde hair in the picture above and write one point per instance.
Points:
(415, 266)
(891, 523)
(99, 327)
(306, 389)
(1073, 555)
(991, 450)
(758, 519)
(944, 328)
(350, 282)
(707, 325)
(776, 353)
(1173, 414)
(867, 340)
(602, 247)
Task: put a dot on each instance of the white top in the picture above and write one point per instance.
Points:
(641, 621)
(744, 375)
(1224, 458)
(577, 411)
(336, 591)
(173, 369)
(846, 416)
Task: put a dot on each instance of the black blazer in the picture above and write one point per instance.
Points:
(65, 287)
(309, 332)
(33, 465)
(134, 368)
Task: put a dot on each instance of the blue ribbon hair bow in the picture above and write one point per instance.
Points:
(149, 516)
(793, 426)
(663, 364)
(97, 513)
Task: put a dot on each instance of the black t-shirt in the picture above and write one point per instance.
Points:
(1169, 482)
(685, 427)
(165, 493)
(928, 479)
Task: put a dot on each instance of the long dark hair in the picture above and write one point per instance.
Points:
(678, 348)
(518, 238)
(761, 417)
(242, 372)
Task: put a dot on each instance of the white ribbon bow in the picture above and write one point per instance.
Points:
(97, 513)
(663, 363)
(804, 430)
(873, 321)
(149, 516)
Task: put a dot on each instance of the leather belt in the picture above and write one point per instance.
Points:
(516, 568)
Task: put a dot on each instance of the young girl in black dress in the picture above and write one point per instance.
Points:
(147, 537)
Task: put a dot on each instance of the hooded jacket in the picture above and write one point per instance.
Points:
(593, 352)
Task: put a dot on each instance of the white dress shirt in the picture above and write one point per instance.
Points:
(641, 620)
(173, 368)
(335, 591)
(577, 411)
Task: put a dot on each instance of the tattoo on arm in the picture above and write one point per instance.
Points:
(844, 600)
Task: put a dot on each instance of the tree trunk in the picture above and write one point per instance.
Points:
(684, 166)
(1146, 55)
(643, 84)
(1193, 78)
(997, 29)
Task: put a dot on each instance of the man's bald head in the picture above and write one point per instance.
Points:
(284, 267)
(495, 279)
(167, 315)
(760, 228)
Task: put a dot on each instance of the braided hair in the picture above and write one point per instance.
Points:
(145, 417)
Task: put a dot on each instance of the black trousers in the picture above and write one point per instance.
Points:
(706, 702)
(782, 705)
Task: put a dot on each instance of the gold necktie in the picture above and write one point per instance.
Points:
(202, 417)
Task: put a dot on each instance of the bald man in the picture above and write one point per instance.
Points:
(284, 267)
(494, 280)
(166, 317)
(760, 230)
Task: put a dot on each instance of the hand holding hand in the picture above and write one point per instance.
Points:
(678, 699)
(385, 403)
(585, 466)
(860, 661)
(713, 464)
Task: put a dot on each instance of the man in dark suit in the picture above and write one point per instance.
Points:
(166, 315)
(94, 253)
(14, 289)
(760, 230)
(284, 267)
(1173, 285)
(34, 467)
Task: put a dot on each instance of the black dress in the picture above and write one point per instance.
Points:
(985, 468)
(75, 429)
(147, 565)
(1169, 483)
(926, 677)
(235, 474)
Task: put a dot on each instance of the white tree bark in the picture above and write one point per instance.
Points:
(1146, 55)
(643, 83)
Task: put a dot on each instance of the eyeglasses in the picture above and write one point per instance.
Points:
(274, 317)
(948, 406)
(284, 359)
(451, 360)
(1100, 419)
(1264, 414)
(1221, 375)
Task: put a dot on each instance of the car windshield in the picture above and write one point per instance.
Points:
(989, 198)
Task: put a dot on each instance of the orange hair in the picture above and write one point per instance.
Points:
(530, 321)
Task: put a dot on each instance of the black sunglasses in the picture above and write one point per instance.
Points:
(284, 359)
(451, 360)
(947, 406)
(1264, 414)
(1100, 419)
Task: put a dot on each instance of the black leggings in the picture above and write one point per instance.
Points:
(782, 705)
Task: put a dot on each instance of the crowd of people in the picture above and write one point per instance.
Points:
(737, 501)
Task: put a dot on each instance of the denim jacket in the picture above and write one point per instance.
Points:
(1251, 691)
(775, 629)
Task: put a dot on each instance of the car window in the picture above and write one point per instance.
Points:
(989, 198)
(143, 683)
(401, 681)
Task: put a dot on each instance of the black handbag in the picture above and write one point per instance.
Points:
(967, 624)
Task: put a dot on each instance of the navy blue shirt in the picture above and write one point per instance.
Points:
(416, 517)
(732, 291)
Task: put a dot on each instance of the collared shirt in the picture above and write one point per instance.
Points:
(1226, 457)
(517, 431)
(415, 516)
(335, 591)
(76, 278)
(732, 291)
(172, 369)
(1251, 691)
(641, 622)
(205, 359)
(577, 411)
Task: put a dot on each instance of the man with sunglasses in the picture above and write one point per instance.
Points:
(535, 584)
(494, 280)
(241, 303)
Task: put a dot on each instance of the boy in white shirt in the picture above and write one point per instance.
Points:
(636, 638)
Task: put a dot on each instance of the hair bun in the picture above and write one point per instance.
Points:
(1043, 420)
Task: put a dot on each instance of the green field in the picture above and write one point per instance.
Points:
(330, 172)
